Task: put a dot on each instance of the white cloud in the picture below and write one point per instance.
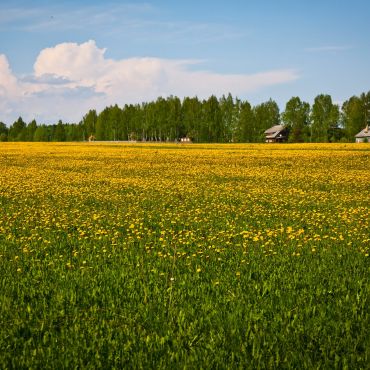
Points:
(8, 82)
(71, 78)
(83, 62)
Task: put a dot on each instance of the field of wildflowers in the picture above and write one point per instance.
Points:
(172, 256)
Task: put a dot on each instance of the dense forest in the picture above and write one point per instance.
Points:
(221, 120)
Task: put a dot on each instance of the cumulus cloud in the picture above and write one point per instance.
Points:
(71, 78)
(84, 62)
(8, 82)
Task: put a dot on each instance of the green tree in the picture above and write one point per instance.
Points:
(353, 117)
(160, 119)
(17, 131)
(324, 118)
(41, 133)
(365, 98)
(148, 124)
(73, 132)
(115, 123)
(355, 114)
(59, 132)
(137, 120)
(212, 128)
(89, 124)
(296, 117)
(192, 117)
(30, 130)
(246, 123)
(227, 113)
(234, 125)
(102, 125)
(153, 124)
(266, 115)
(3, 132)
(174, 119)
(129, 114)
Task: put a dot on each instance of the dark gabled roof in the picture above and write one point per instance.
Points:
(274, 131)
(364, 133)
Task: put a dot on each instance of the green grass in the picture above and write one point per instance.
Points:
(185, 282)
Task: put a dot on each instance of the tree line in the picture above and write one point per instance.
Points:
(222, 120)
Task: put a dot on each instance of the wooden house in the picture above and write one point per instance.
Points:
(363, 136)
(276, 134)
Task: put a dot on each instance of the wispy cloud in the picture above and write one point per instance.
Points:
(48, 79)
(136, 21)
(71, 78)
(38, 18)
(329, 48)
(10, 14)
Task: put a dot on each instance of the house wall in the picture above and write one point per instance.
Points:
(362, 139)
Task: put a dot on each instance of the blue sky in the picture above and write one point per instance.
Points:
(58, 59)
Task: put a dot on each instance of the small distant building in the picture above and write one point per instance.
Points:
(185, 140)
(276, 134)
(363, 136)
(91, 138)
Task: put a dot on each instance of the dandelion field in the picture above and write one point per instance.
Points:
(184, 256)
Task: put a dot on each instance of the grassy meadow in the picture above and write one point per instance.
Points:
(184, 256)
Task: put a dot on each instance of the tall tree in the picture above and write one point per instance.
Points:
(212, 128)
(324, 118)
(365, 99)
(174, 118)
(30, 131)
(246, 122)
(115, 119)
(227, 112)
(356, 114)
(266, 115)
(41, 133)
(89, 123)
(234, 125)
(353, 117)
(103, 129)
(192, 117)
(129, 117)
(59, 132)
(17, 131)
(296, 117)
(3, 132)
(149, 122)
(158, 124)
(136, 121)
(73, 132)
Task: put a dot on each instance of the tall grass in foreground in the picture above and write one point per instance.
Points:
(212, 256)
